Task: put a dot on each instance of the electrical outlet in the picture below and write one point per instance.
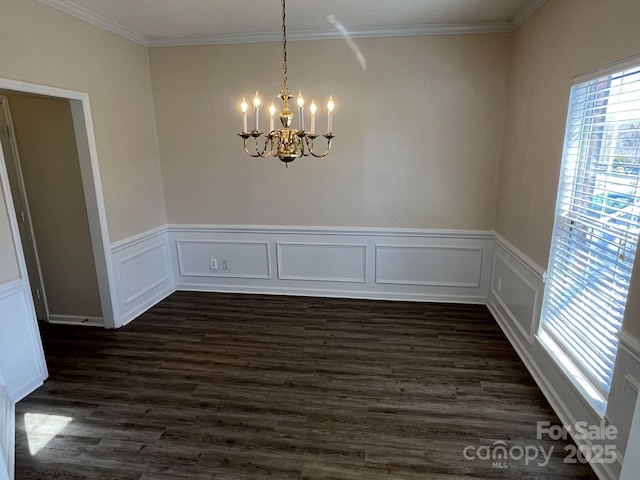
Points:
(213, 264)
(225, 265)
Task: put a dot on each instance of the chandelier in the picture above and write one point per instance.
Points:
(287, 143)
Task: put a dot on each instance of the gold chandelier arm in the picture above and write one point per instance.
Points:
(268, 144)
(309, 140)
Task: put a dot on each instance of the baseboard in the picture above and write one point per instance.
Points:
(149, 302)
(76, 320)
(316, 292)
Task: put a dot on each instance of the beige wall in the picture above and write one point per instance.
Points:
(565, 38)
(418, 145)
(40, 44)
(51, 171)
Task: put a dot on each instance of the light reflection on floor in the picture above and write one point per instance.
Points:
(42, 428)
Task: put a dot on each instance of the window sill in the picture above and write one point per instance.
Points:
(594, 399)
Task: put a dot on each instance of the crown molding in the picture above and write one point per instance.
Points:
(67, 6)
(529, 9)
(97, 20)
(451, 29)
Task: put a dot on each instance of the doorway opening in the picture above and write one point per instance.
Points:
(41, 158)
(48, 259)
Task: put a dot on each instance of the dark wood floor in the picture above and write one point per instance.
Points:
(262, 387)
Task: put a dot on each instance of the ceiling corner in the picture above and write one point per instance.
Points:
(97, 20)
(529, 9)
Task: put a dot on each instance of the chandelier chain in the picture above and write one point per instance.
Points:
(284, 47)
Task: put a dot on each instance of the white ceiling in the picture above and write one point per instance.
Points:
(192, 22)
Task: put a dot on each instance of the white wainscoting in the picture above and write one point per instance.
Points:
(4, 470)
(143, 274)
(394, 264)
(433, 266)
(515, 300)
(624, 388)
(631, 466)
(22, 363)
(21, 354)
(7, 431)
(324, 262)
(233, 259)
(518, 290)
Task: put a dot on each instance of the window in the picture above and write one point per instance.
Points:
(595, 232)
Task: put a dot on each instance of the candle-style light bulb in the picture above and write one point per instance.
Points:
(244, 106)
(256, 108)
(330, 106)
(313, 109)
(272, 112)
(300, 101)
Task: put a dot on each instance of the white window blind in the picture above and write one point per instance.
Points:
(595, 232)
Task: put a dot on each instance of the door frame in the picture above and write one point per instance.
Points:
(91, 184)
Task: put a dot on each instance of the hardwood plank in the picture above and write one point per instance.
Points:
(222, 386)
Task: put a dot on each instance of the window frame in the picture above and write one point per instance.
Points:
(595, 397)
